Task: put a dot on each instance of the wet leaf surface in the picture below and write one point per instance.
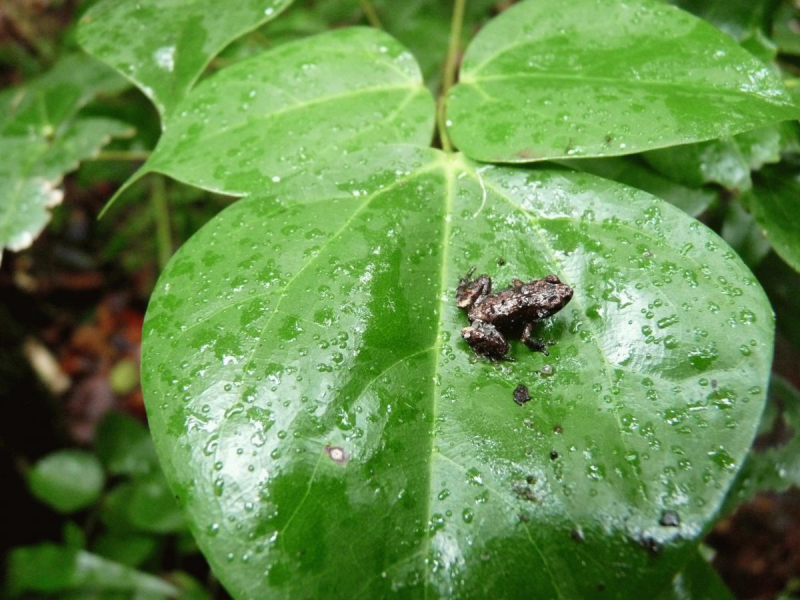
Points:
(548, 79)
(163, 46)
(262, 119)
(329, 432)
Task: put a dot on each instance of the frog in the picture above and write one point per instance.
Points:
(495, 316)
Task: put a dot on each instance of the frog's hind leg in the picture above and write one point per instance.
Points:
(486, 340)
(537, 345)
(470, 291)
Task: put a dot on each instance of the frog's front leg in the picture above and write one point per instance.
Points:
(485, 339)
(537, 345)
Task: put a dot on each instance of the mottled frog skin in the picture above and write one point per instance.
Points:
(494, 316)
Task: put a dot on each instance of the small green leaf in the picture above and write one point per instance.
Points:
(49, 568)
(264, 118)
(775, 468)
(548, 79)
(40, 107)
(740, 230)
(315, 407)
(129, 549)
(67, 480)
(124, 446)
(143, 505)
(163, 46)
(775, 204)
(727, 162)
(32, 169)
(692, 200)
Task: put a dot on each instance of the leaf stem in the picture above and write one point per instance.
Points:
(158, 199)
(369, 12)
(450, 65)
(132, 155)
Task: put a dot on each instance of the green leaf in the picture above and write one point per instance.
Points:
(129, 549)
(50, 568)
(67, 480)
(327, 429)
(241, 130)
(776, 209)
(692, 200)
(32, 169)
(548, 79)
(124, 446)
(727, 162)
(38, 108)
(163, 46)
(143, 505)
(774, 468)
(697, 581)
(740, 230)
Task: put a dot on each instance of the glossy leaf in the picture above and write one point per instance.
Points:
(67, 480)
(262, 119)
(549, 79)
(630, 171)
(776, 467)
(49, 568)
(163, 46)
(775, 205)
(32, 168)
(330, 434)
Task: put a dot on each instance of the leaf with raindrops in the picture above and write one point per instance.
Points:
(263, 119)
(329, 433)
(163, 46)
(550, 79)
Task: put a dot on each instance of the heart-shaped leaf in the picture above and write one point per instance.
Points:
(163, 46)
(550, 79)
(329, 433)
(243, 129)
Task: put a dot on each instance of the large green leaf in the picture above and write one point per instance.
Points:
(163, 46)
(697, 581)
(549, 79)
(775, 205)
(330, 434)
(264, 118)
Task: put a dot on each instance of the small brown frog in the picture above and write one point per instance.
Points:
(509, 311)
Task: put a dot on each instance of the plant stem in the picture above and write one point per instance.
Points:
(158, 198)
(369, 12)
(132, 155)
(450, 65)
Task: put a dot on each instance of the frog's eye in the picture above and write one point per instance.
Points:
(552, 279)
